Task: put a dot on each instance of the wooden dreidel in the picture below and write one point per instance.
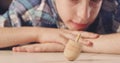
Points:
(73, 49)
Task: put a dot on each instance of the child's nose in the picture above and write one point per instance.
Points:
(83, 12)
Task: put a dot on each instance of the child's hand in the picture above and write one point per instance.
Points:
(61, 36)
(54, 40)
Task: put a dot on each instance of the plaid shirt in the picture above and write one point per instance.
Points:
(43, 13)
(30, 13)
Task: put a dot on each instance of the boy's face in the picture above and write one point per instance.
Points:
(78, 14)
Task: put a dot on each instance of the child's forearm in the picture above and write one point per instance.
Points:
(14, 36)
(105, 44)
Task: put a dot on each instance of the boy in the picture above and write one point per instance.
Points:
(74, 15)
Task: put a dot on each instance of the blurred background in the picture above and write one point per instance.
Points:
(4, 4)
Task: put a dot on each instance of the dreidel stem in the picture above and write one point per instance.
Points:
(77, 38)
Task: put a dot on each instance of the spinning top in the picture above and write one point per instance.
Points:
(73, 49)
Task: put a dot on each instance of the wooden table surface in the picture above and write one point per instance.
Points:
(22, 57)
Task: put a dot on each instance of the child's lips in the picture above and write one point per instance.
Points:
(79, 25)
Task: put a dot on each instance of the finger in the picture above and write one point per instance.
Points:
(17, 49)
(86, 34)
(23, 48)
(72, 34)
(86, 42)
(49, 47)
(44, 47)
(14, 49)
